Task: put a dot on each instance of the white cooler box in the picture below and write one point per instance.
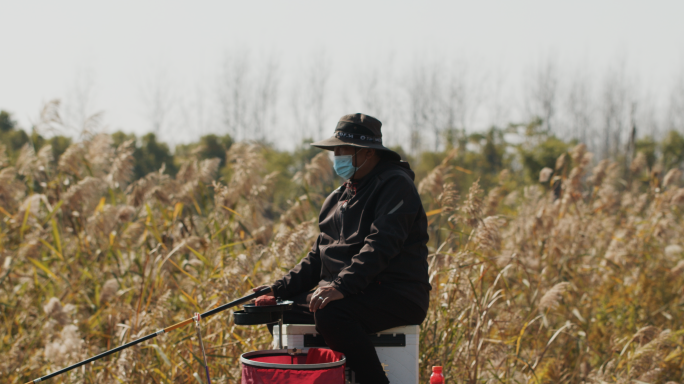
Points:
(397, 348)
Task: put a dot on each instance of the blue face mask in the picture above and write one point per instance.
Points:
(344, 167)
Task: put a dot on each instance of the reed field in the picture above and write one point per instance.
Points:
(575, 277)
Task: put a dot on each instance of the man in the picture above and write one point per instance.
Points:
(370, 259)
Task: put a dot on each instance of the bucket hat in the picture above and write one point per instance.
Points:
(357, 130)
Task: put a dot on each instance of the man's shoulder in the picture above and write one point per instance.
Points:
(393, 172)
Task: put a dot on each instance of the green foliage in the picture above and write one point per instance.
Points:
(119, 137)
(6, 122)
(282, 162)
(14, 139)
(478, 156)
(427, 161)
(303, 154)
(673, 150)
(648, 147)
(149, 154)
(59, 145)
(289, 164)
(208, 147)
(455, 138)
(491, 159)
(544, 154)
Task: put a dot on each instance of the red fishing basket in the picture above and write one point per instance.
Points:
(316, 366)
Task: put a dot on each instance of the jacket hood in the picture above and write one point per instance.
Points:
(406, 167)
(385, 165)
(394, 164)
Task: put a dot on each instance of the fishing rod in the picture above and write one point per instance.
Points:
(195, 318)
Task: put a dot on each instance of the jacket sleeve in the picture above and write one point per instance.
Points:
(303, 277)
(398, 204)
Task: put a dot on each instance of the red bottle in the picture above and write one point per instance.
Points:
(436, 377)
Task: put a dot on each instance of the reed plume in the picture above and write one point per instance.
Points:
(672, 177)
(27, 162)
(72, 160)
(318, 171)
(4, 160)
(553, 296)
(68, 347)
(545, 175)
(472, 206)
(433, 183)
(121, 170)
(81, 196)
(11, 189)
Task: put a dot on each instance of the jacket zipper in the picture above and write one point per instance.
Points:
(341, 212)
(334, 221)
(344, 207)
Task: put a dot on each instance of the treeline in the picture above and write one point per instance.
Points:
(264, 98)
(524, 148)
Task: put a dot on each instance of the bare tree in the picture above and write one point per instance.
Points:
(309, 96)
(493, 87)
(196, 111)
(418, 92)
(542, 93)
(264, 99)
(462, 92)
(615, 111)
(318, 85)
(579, 108)
(647, 112)
(376, 94)
(159, 100)
(676, 105)
(78, 108)
(233, 93)
(429, 104)
(632, 137)
(299, 112)
(49, 121)
(248, 95)
(373, 92)
(440, 98)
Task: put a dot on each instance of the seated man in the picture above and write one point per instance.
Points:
(370, 259)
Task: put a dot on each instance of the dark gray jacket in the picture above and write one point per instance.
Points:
(377, 235)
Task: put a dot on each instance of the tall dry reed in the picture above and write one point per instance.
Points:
(581, 283)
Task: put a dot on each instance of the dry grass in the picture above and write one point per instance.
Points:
(527, 286)
(567, 296)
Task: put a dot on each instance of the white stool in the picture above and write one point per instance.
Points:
(397, 348)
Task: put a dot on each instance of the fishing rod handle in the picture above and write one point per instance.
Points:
(239, 301)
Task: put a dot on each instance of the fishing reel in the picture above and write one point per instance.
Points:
(264, 314)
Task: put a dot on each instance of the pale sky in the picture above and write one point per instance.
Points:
(47, 47)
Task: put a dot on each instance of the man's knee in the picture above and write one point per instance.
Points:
(330, 319)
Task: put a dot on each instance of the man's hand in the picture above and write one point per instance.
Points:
(323, 296)
(259, 288)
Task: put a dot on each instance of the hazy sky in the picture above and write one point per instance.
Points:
(47, 47)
